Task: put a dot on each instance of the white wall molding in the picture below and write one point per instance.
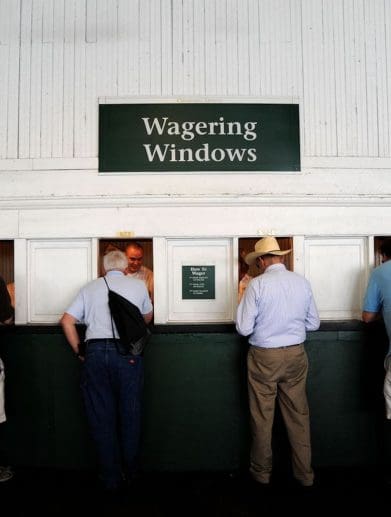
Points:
(53, 164)
(358, 163)
(194, 99)
(179, 201)
(197, 221)
(345, 162)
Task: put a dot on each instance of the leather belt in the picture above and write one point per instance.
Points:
(110, 339)
(276, 347)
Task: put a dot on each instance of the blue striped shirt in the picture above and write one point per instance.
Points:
(277, 309)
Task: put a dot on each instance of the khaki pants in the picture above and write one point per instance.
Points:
(279, 373)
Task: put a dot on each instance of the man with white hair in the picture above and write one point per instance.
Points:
(111, 382)
(275, 312)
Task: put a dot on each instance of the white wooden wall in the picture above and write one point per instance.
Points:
(58, 58)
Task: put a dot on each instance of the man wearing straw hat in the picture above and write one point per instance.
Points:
(275, 312)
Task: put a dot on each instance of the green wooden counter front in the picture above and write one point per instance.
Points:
(195, 402)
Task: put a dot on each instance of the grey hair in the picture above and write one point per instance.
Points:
(115, 260)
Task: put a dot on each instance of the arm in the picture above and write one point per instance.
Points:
(312, 321)
(148, 317)
(368, 317)
(68, 324)
(6, 309)
(372, 301)
(151, 288)
(246, 313)
(147, 307)
(7, 322)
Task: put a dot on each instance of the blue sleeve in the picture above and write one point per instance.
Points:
(247, 312)
(372, 299)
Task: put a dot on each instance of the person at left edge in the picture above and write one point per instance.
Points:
(6, 318)
(111, 383)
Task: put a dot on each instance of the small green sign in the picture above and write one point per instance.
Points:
(198, 282)
(199, 137)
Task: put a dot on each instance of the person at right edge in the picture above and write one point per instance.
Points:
(111, 382)
(276, 310)
(377, 303)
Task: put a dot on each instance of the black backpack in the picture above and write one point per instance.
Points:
(132, 329)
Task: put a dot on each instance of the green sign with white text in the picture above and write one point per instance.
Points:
(198, 137)
(198, 282)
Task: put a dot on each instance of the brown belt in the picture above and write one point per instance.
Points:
(276, 347)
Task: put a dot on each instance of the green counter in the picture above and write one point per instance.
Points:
(195, 401)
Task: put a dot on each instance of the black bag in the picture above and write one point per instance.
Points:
(132, 329)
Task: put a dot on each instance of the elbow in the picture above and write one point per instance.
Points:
(63, 320)
(243, 331)
(67, 320)
(316, 325)
(368, 317)
(312, 325)
(239, 329)
(148, 317)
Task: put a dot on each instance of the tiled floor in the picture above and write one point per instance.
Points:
(68, 493)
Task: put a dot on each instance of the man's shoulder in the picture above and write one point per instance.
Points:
(296, 278)
(384, 268)
(133, 277)
(281, 272)
(131, 283)
(382, 274)
(92, 285)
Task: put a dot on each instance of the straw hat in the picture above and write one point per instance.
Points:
(265, 246)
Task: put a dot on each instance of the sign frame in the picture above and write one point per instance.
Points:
(198, 282)
(182, 167)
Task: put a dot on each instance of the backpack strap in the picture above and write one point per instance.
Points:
(111, 314)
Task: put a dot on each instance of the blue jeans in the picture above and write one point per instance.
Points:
(111, 386)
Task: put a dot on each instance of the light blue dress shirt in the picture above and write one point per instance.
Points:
(277, 309)
(92, 308)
